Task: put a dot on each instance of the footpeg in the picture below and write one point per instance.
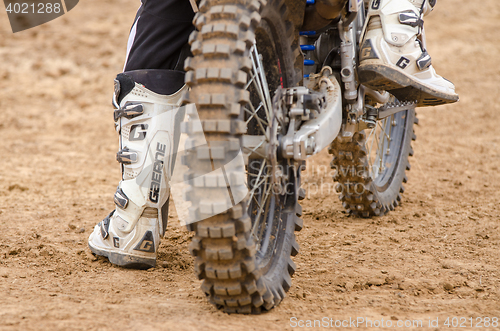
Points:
(395, 107)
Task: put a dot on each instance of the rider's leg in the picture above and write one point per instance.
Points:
(393, 56)
(147, 98)
(158, 38)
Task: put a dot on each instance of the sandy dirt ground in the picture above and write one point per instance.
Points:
(436, 256)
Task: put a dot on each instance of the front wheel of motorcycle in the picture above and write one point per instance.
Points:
(371, 168)
(242, 53)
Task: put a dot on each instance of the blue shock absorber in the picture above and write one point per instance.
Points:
(307, 33)
(308, 48)
(305, 48)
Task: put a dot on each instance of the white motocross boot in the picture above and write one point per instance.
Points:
(147, 119)
(393, 55)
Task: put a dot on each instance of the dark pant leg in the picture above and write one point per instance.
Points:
(160, 32)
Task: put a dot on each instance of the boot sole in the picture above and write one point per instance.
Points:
(386, 78)
(125, 260)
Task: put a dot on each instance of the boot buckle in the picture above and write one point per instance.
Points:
(130, 110)
(120, 199)
(411, 19)
(126, 156)
(424, 61)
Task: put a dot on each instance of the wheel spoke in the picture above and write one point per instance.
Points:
(253, 114)
(259, 213)
(372, 134)
(255, 175)
(261, 96)
(256, 201)
(381, 137)
(381, 147)
(377, 156)
(252, 192)
(252, 78)
(383, 129)
(261, 82)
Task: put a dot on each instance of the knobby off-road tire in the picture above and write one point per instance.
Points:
(364, 190)
(240, 275)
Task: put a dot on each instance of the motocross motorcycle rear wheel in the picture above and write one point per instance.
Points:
(242, 53)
